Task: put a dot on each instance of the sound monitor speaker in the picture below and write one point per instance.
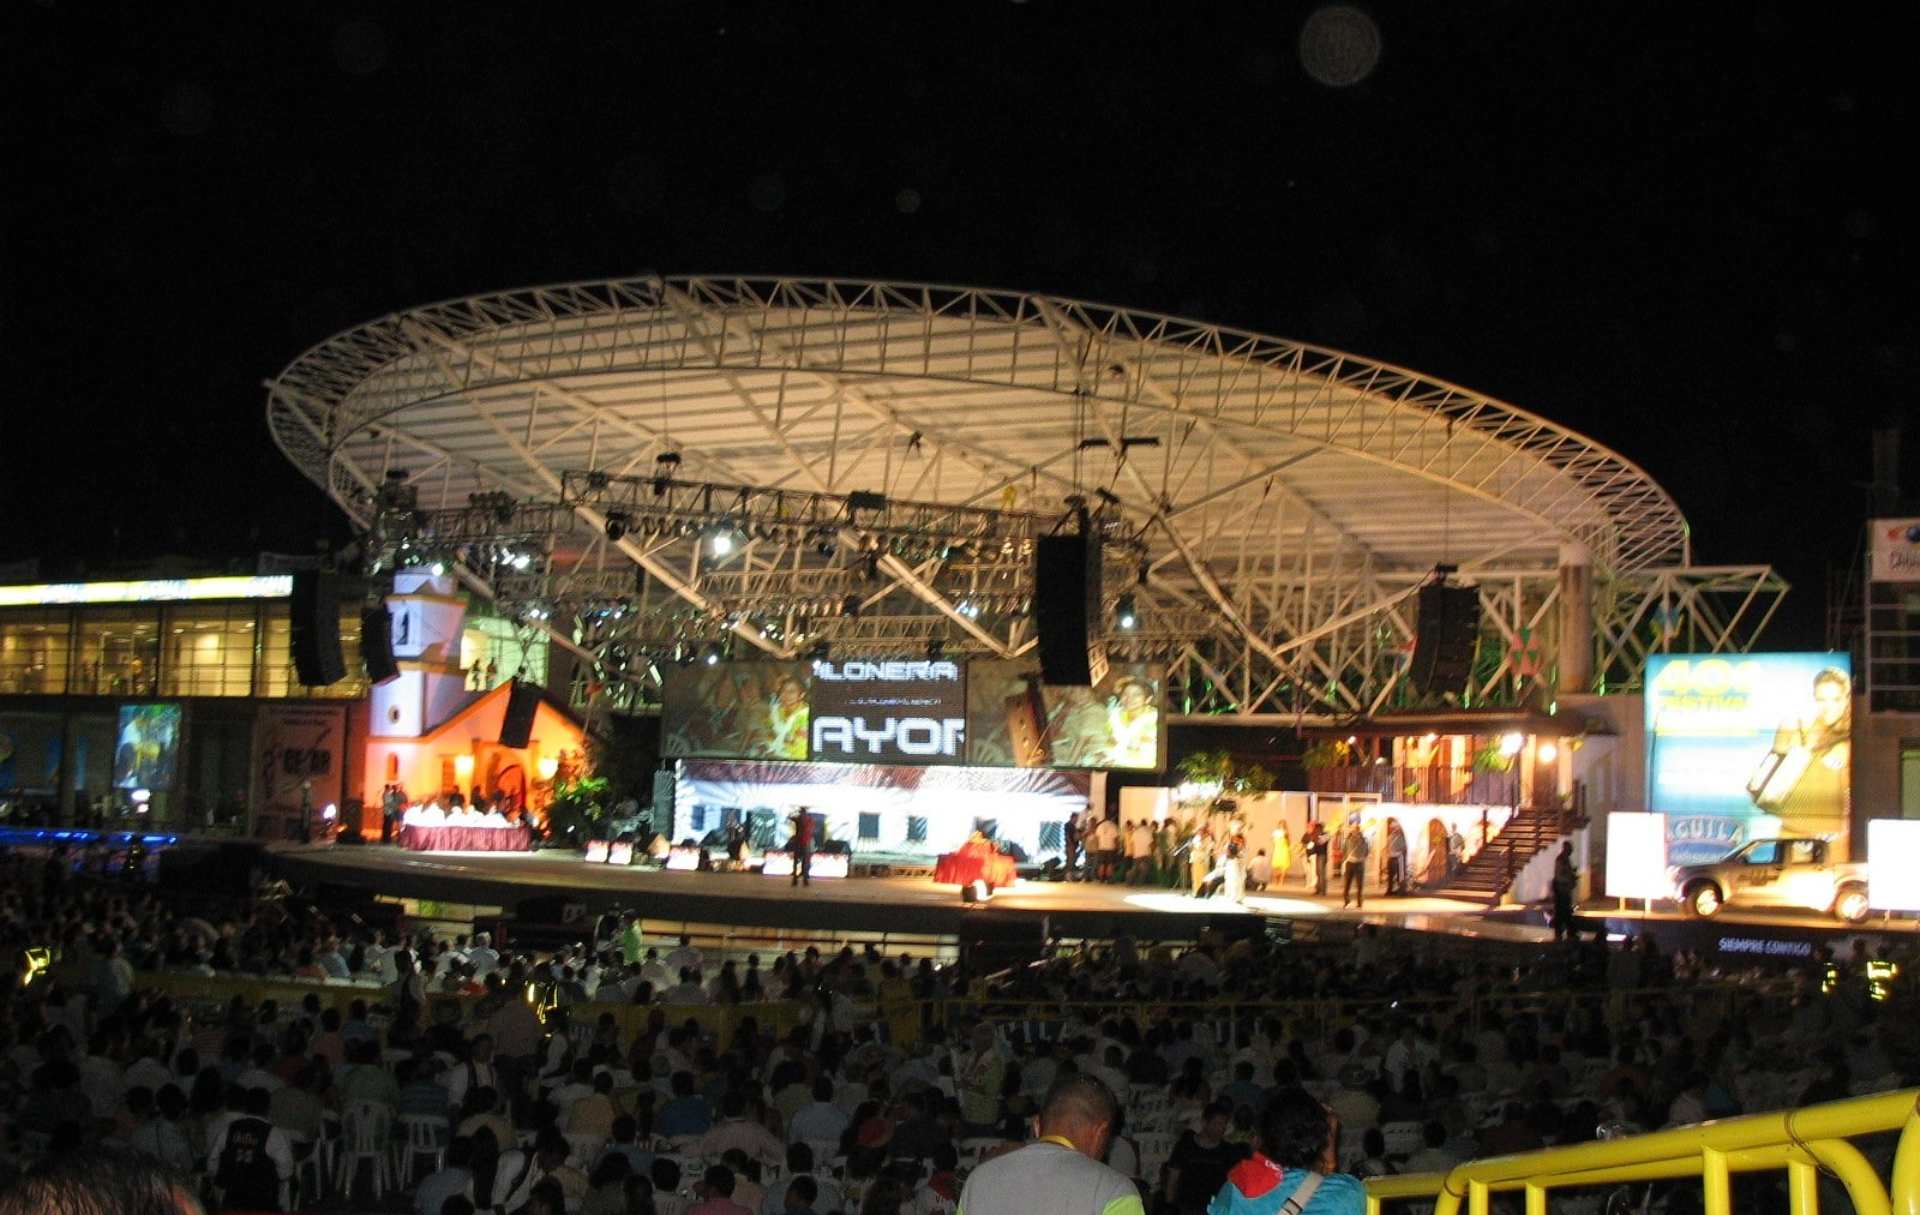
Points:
(1444, 639)
(315, 629)
(376, 644)
(517, 727)
(1066, 609)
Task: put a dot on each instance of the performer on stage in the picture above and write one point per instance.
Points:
(801, 845)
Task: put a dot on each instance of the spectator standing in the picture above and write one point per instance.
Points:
(1292, 1162)
(1201, 1159)
(1060, 1172)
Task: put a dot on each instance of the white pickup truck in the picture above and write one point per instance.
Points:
(1775, 873)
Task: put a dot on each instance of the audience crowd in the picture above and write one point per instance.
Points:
(531, 1094)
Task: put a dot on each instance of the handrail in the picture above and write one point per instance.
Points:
(1801, 1141)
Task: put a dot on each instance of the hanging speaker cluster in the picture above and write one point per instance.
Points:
(315, 629)
(1066, 609)
(1444, 638)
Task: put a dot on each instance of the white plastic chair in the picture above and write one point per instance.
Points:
(318, 1162)
(420, 1135)
(1155, 1148)
(365, 1132)
(584, 1148)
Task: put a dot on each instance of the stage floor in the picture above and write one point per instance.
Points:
(909, 904)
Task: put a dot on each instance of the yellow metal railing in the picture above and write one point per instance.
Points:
(1804, 1142)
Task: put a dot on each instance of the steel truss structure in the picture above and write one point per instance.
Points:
(1271, 506)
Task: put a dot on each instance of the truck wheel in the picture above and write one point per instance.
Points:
(1704, 900)
(1851, 906)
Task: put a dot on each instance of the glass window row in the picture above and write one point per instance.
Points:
(240, 649)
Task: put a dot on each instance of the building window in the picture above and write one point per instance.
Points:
(209, 651)
(33, 652)
(118, 652)
(869, 826)
(916, 829)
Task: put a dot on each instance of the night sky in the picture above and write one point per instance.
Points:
(1675, 228)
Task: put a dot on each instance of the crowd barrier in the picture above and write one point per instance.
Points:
(1040, 1018)
(1804, 1142)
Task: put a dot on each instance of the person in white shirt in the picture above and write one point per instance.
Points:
(1139, 853)
(1106, 846)
(820, 1120)
(688, 991)
(483, 957)
(686, 956)
(656, 972)
(476, 1073)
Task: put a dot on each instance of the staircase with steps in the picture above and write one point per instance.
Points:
(1486, 877)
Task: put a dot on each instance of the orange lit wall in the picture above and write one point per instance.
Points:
(422, 765)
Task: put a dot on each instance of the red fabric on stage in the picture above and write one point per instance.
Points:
(465, 839)
(975, 860)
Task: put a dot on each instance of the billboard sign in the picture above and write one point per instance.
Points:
(1741, 746)
(889, 712)
(299, 764)
(146, 747)
(1896, 550)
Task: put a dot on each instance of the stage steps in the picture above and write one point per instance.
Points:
(1485, 878)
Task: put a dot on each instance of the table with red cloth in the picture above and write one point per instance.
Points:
(975, 861)
(465, 839)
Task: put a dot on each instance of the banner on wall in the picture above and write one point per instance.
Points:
(1896, 550)
(295, 744)
(1745, 746)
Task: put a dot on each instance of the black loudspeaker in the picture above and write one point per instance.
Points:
(1448, 629)
(517, 727)
(376, 644)
(1066, 609)
(315, 632)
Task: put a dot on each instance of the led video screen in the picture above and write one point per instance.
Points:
(889, 712)
(1014, 720)
(736, 710)
(146, 747)
(1741, 747)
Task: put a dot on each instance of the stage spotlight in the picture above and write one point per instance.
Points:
(720, 540)
(713, 655)
(1123, 613)
(618, 522)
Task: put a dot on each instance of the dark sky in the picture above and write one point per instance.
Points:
(1675, 228)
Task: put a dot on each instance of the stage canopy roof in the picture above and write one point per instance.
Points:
(1270, 506)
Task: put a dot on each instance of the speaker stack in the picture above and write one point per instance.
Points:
(1066, 609)
(1444, 637)
(315, 629)
(516, 728)
(376, 644)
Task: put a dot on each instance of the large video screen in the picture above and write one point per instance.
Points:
(736, 710)
(989, 714)
(1745, 746)
(1017, 721)
(889, 712)
(146, 747)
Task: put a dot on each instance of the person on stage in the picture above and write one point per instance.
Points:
(1282, 855)
(1200, 859)
(1315, 843)
(801, 845)
(1354, 851)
